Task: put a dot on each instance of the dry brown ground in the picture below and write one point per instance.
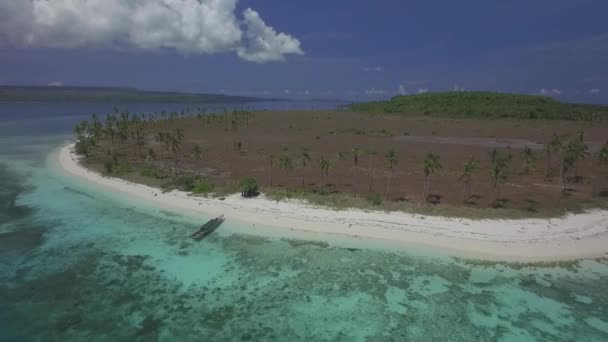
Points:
(328, 133)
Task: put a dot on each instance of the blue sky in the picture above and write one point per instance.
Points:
(328, 49)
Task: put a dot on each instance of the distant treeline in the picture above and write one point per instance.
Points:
(110, 94)
(484, 105)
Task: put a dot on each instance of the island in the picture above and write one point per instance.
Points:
(497, 176)
(117, 95)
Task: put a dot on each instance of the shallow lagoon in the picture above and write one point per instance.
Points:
(77, 263)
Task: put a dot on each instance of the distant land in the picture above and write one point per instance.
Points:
(112, 94)
(484, 105)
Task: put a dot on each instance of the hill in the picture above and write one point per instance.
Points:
(484, 105)
(110, 94)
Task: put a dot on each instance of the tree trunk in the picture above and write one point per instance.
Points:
(388, 184)
(371, 173)
(353, 181)
(271, 176)
(562, 175)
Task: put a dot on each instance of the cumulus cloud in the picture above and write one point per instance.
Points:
(594, 91)
(187, 26)
(401, 90)
(374, 69)
(458, 88)
(423, 90)
(373, 92)
(56, 84)
(554, 91)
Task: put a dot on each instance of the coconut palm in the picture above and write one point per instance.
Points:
(271, 159)
(324, 165)
(285, 162)
(572, 151)
(431, 163)
(371, 155)
(578, 149)
(390, 162)
(196, 152)
(150, 155)
(499, 167)
(470, 167)
(602, 155)
(555, 145)
(305, 157)
(528, 160)
(355, 152)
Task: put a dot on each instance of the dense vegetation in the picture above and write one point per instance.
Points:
(109, 94)
(484, 105)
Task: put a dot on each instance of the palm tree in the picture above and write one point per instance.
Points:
(431, 164)
(285, 162)
(325, 165)
(529, 160)
(470, 167)
(602, 159)
(579, 150)
(555, 145)
(499, 168)
(355, 152)
(150, 155)
(573, 151)
(271, 158)
(602, 155)
(196, 152)
(390, 162)
(370, 169)
(305, 155)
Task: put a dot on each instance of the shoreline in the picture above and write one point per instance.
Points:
(568, 238)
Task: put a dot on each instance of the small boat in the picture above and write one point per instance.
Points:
(208, 228)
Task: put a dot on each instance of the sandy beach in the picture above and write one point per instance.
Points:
(567, 238)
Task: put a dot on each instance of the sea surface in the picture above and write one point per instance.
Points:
(78, 263)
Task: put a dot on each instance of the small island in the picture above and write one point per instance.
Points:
(421, 163)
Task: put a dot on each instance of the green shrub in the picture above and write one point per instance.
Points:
(374, 198)
(202, 186)
(108, 166)
(184, 183)
(83, 147)
(249, 187)
(121, 168)
(324, 190)
(152, 172)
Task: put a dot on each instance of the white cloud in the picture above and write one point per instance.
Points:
(187, 26)
(546, 92)
(423, 90)
(304, 92)
(458, 88)
(287, 91)
(594, 91)
(373, 91)
(56, 84)
(401, 90)
(374, 69)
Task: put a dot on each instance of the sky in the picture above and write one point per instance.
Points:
(339, 49)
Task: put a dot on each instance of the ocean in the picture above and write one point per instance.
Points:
(78, 263)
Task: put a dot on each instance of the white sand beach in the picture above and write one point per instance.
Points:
(567, 238)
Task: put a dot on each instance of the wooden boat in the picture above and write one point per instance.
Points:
(208, 228)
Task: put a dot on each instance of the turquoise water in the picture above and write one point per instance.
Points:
(77, 263)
